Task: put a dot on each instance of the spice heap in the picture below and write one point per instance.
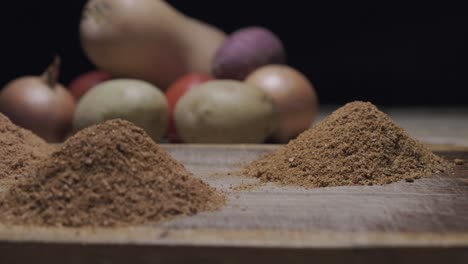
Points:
(356, 145)
(19, 150)
(107, 175)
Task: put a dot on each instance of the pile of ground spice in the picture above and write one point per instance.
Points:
(20, 150)
(356, 145)
(110, 174)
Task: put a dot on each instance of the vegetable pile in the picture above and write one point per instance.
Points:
(178, 78)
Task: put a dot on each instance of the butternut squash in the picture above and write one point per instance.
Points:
(147, 39)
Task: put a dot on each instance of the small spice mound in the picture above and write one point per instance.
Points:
(356, 145)
(20, 150)
(108, 175)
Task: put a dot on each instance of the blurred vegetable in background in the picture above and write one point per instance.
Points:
(173, 94)
(81, 84)
(223, 111)
(136, 101)
(147, 39)
(40, 104)
(246, 50)
(293, 94)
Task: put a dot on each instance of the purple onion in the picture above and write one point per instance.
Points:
(246, 50)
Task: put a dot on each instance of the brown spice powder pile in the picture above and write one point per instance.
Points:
(356, 145)
(107, 175)
(20, 149)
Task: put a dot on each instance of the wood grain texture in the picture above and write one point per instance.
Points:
(407, 222)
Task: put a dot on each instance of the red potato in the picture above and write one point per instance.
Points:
(81, 84)
(175, 92)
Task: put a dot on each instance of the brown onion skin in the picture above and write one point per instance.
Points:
(294, 95)
(32, 104)
(246, 50)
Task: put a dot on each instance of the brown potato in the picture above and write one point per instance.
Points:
(133, 100)
(224, 111)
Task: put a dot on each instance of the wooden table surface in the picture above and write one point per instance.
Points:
(427, 219)
(421, 222)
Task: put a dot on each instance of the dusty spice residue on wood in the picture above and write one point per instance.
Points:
(107, 175)
(248, 186)
(356, 145)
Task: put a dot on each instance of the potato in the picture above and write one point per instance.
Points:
(133, 100)
(225, 111)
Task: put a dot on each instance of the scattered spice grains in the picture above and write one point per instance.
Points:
(248, 186)
(110, 174)
(356, 145)
(20, 149)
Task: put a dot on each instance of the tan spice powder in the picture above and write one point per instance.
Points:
(110, 174)
(356, 145)
(20, 149)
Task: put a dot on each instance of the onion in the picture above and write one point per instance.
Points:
(294, 96)
(40, 104)
(246, 50)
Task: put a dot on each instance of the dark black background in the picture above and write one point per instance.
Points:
(388, 54)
